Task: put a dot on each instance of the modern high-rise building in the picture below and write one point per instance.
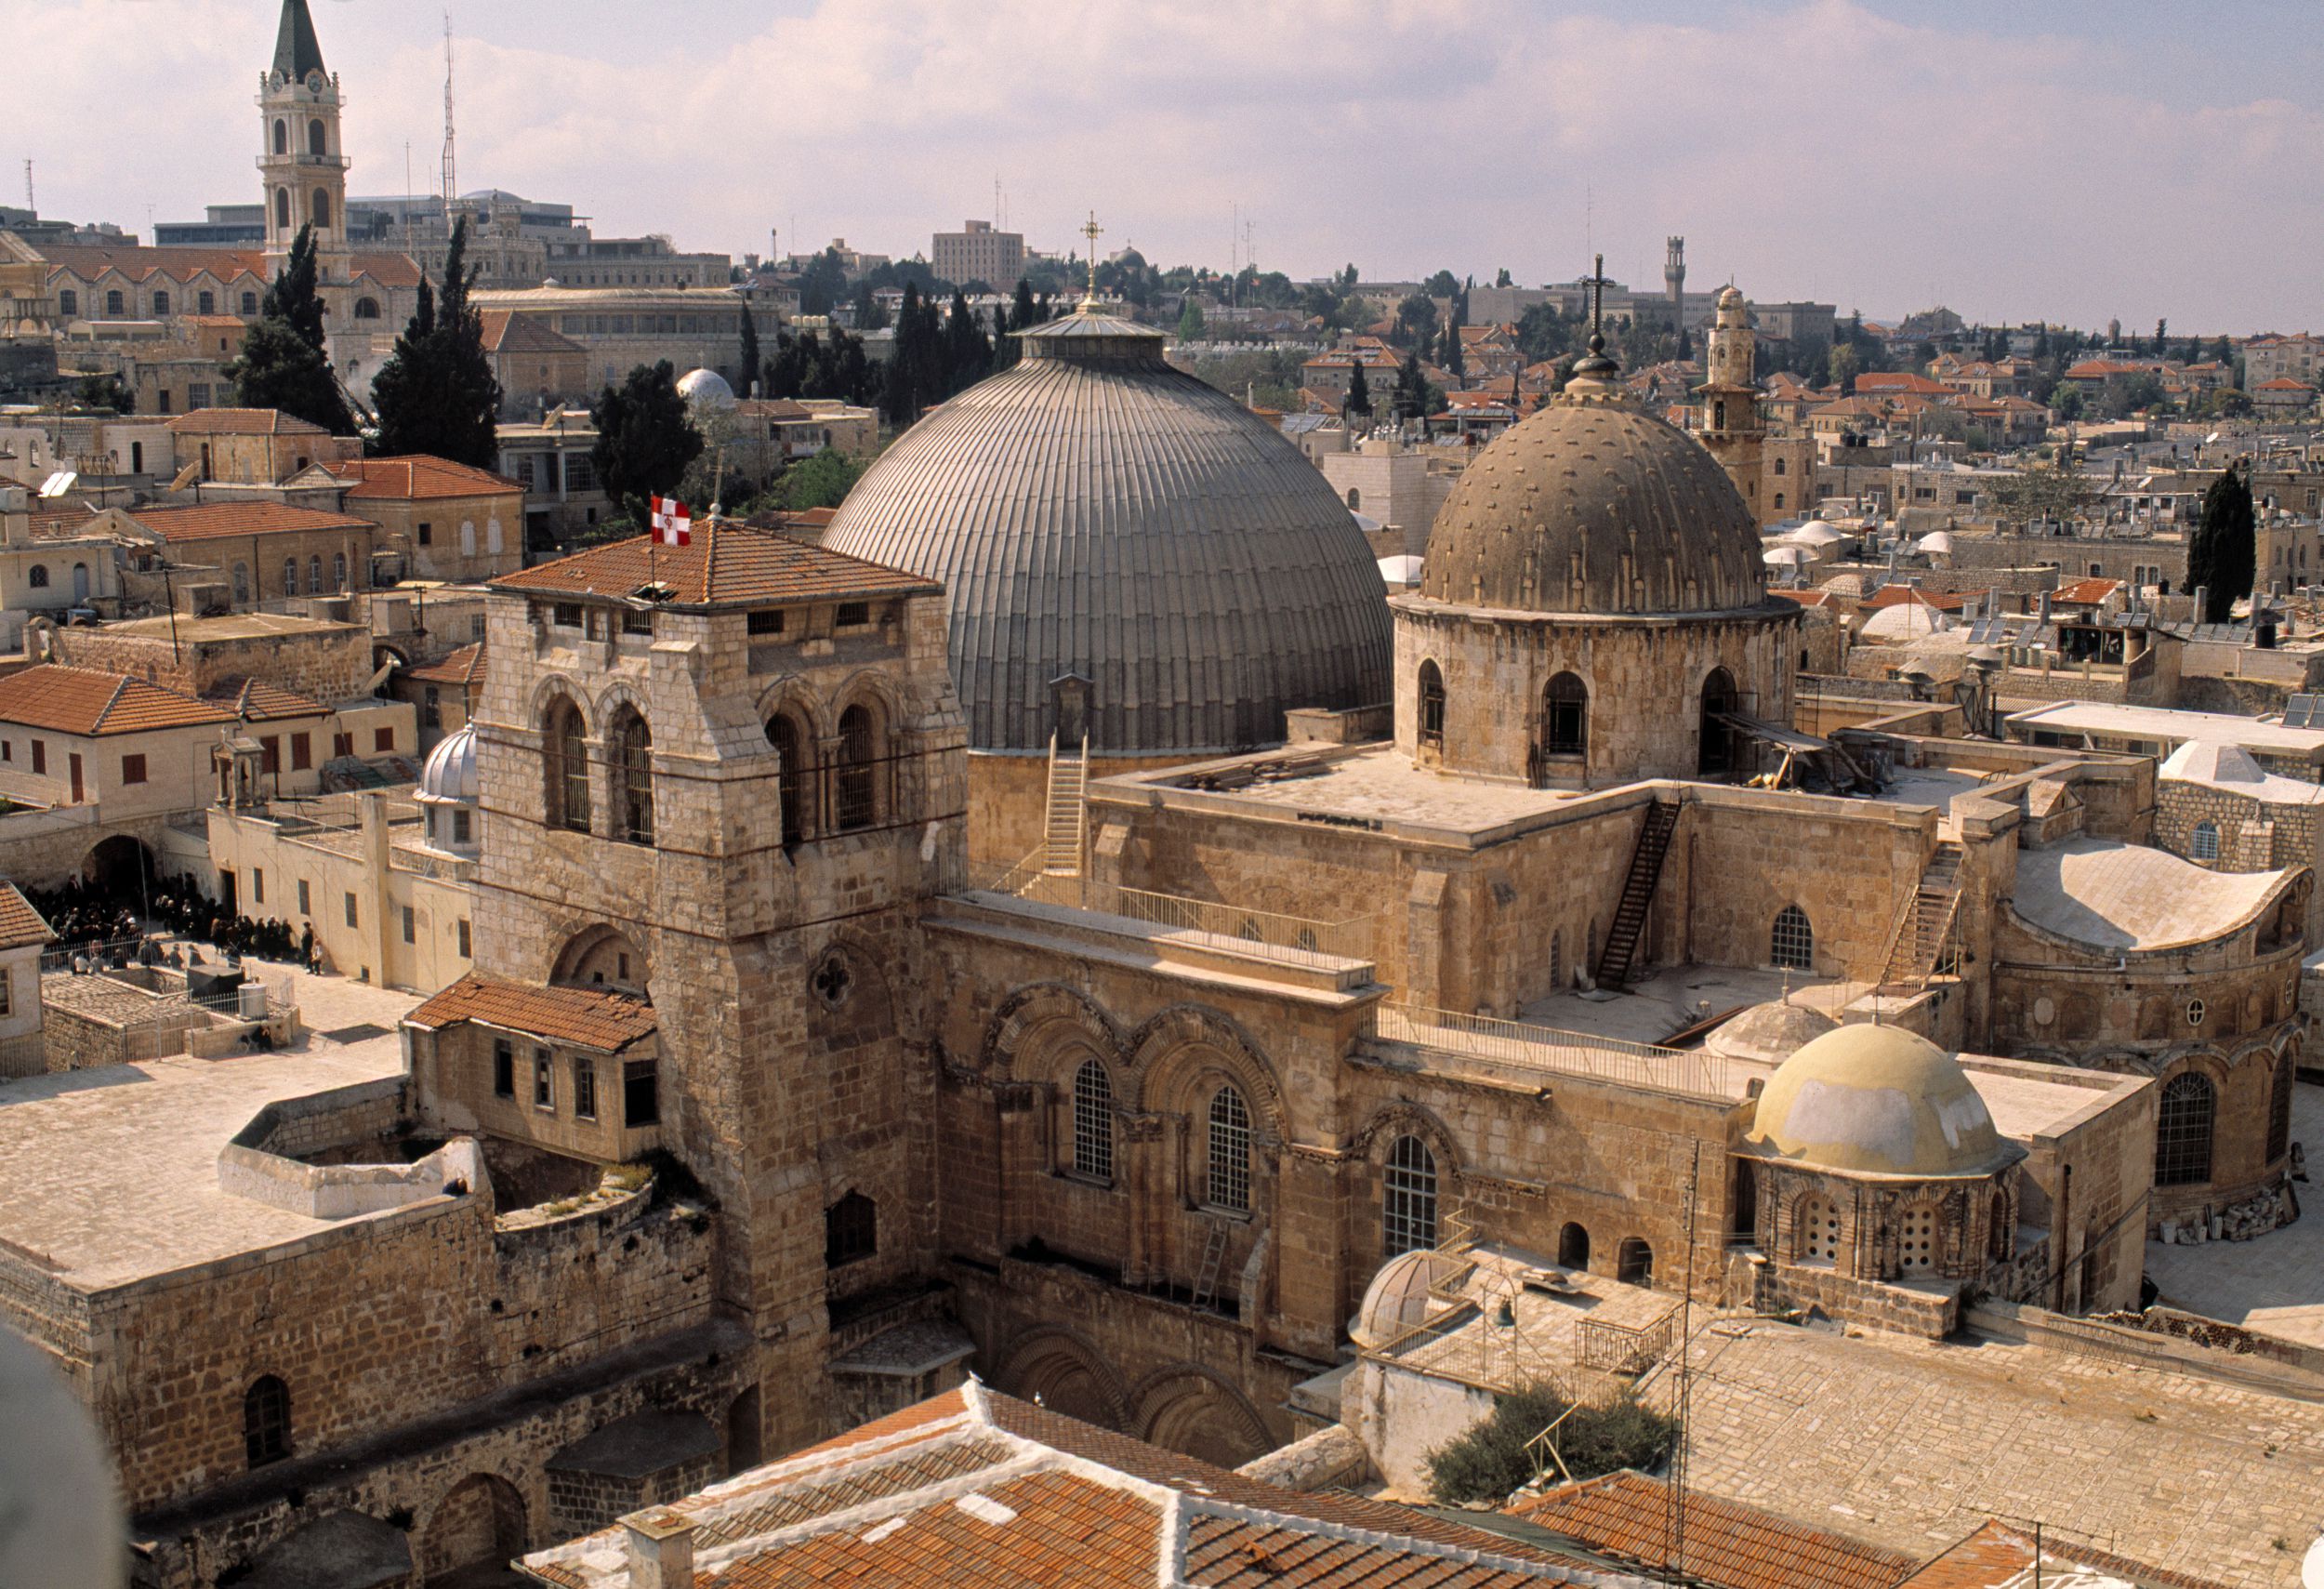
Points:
(979, 253)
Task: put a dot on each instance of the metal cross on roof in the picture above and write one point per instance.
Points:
(1091, 231)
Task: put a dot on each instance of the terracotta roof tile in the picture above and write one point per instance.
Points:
(727, 563)
(590, 1018)
(213, 520)
(244, 422)
(418, 477)
(1897, 595)
(20, 923)
(90, 701)
(465, 666)
(1622, 1515)
(255, 700)
(2088, 592)
(1997, 1556)
(505, 332)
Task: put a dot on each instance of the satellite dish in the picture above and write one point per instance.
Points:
(2312, 1566)
(2211, 440)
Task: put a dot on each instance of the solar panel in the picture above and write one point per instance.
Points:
(2304, 711)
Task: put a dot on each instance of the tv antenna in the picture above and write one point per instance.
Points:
(28, 187)
(1674, 1498)
(451, 179)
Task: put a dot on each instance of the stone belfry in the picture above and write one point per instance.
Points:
(1674, 281)
(1730, 414)
(302, 165)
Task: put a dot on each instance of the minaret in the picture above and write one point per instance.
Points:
(1675, 280)
(302, 169)
(1731, 427)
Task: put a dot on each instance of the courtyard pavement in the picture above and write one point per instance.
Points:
(2273, 1284)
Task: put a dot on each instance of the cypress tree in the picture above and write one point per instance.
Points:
(437, 393)
(750, 352)
(283, 365)
(645, 438)
(1359, 391)
(2222, 556)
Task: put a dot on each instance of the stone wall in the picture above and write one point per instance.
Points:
(329, 663)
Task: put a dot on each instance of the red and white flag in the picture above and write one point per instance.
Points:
(673, 525)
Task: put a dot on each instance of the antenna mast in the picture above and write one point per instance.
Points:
(451, 181)
(28, 187)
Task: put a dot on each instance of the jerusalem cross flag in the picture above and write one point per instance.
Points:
(673, 525)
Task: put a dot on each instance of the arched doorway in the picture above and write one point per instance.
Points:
(1573, 1247)
(1189, 1411)
(480, 1522)
(1715, 756)
(1634, 1262)
(1056, 1372)
(742, 1443)
(601, 957)
(119, 869)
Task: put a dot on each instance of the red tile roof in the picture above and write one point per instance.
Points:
(509, 333)
(244, 422)
(89, 702)
(465, 666)
(139, 264)
(255, 700)
(728, 563)
(1998, 1557)
(1897, 595)
(2086, 592)
(1899, 381)
(416, 477)
(20, 923)
(1623, 1515)
(590, 1018)
(212, 520)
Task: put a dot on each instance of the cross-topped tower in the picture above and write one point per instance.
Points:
(1092, 231)
(1594, 366)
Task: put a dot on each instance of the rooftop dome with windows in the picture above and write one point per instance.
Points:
(1878, 1101)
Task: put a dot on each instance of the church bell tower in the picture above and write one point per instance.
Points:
(1730, 398)
(302, 165)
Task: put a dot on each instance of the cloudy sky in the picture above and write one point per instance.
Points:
(2130, 158)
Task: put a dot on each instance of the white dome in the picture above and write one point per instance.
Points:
(449, 770)
(1936, 541)
(705, 387)
(1906, 620)
(1814, 532)
(1400, 570)
(1398, 1299)
(1792, 555)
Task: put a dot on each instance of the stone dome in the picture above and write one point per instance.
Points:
(1592, 507)
(1398, 1299)
(705, 387)
(1772, 1032)
(449, 774)
(1092, 511)
(1878, 1101)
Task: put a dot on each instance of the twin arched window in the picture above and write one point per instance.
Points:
(266, 1426)
(632, 747)
(564, 750)
(790, 745)
(1093, 1121)
(2183, 1130)
(1230, 1151)
(2203, 843)
(1791, 942)
(1431, 705)
(1407, 1197)
(1566, 716)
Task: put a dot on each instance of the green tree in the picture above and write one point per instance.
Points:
(1500, 277)
(1444, 283)
(821, 481)
(2059, 490)
(282, 365)
(105, 392)
(968, 356)
(2222, 556)
(1494, 1458)
(1416, 320)
(2069, 402)
(1415, 394)
(645, 438)
(1844, 362)
(1189, 319)
(1456, 363)
(750, 352)
(899, 398)
(1359, 391)
(2223, 350)
(437, 393)
(869, 315)
(2161, 328)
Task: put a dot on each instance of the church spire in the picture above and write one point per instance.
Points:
(297, 51)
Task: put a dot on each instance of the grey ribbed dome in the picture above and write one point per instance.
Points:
(1591, 506)
(1091, 510)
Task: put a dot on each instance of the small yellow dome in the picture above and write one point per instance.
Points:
(1878, 1101)
(1398, 1298)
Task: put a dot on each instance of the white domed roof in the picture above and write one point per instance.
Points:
(449, 770)
(1878, 1101)
(1398, 1299)
(1789, 555)
(1936, 541)
(705, 387)
(1771, 1032)
(1814, 532)
(1906, 620)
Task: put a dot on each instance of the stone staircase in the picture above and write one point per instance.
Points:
(1619, 954)
(1917, 943)
(1068, 776)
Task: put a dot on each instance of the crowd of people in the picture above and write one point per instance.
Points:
(93, 917)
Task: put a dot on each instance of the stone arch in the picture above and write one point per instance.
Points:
(595, 955)
(1573, 1246)
(1390, 1121)
(481, 1520)
(1062, 1369)
(1714, 755)
(868, 687)
(551, 687)
(1157, 1051)
(1023, 1015)
(118, 865)
(1196, 1410)
(791, 696)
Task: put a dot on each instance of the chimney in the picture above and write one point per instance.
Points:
(2044, 611)
(2203, 603)
(661, 1544)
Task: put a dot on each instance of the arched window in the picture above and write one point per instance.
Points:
(321, 211)
(1715, 753)
(290, 576)
(1093, 1121)
(281, 209)
(367, 309)
(314, 575)
(339, 571)
(266, 1425)
(1230, 1151)
(1816, 1230)
(1408, 1198)
(38, 577)
(242, 582)
(1634, 1262)
(565, 767)
(205, 302)
(1718, 413)
(2183, 1130)
(161, 305)
(1431, 705)
(1778, 466)
(114, 304)
(789, 744)
(632, 746)
(851, 1230)
(2203, 843)
(281, 137)
(1791, 942)
(1355, 499)
(468, 537)
(1778, 501)
(1917, 1250)
(854, 793)
(1566, 716)
(250, 303)
(2279, 1109)
(315, 144)
(68, 302)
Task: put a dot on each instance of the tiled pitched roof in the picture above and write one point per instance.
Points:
(2088, 592)
(244, 422)
(972, 1490)
(465, 666)
(727, 563)
(1897, 595)
(212, 520)
(590, 1017)
(90, 701)
(20, 923)
(417, 476)
(255, 700)
(139, 264)
(1997, 1556)
(506, 332)
(1623, 1515)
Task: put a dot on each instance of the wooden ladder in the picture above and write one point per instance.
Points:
(1619, 953)
(1206, 1272)
(1068, 776)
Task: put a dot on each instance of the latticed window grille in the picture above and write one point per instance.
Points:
(1816, 1230)
(1566, 709)
(2203, 844)
(1230, 1151)
(633, 767)
(1916, 1247)
(2279, 1110)
(2183, 1127)
(1431, 705)
(266, 1420)
(853, 800)
(1792, 943)
(1408, 1198)
(1093, 1121)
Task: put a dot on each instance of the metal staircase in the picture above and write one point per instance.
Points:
(1917, 943)
(1619, 953)
(1068, 820)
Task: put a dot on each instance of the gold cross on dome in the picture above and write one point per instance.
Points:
(1091, 231)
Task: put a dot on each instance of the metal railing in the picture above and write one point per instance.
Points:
(1518, 1054)
(23, 1055)
(1225, 926)
(1623, 1348)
